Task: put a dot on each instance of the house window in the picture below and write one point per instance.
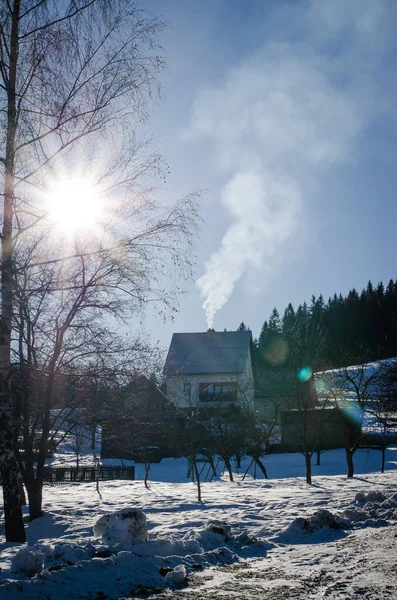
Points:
(218, 392)
(187, 389)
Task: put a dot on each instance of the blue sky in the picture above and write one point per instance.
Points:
(285, 112)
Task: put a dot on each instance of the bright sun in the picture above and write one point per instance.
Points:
(73, 205)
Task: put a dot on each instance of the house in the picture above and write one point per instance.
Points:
(316, 428)
(205, 369)
(275, 389)
(144, 426)
(278, 389)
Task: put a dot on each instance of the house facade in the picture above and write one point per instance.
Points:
(210, 368)
(278, 389)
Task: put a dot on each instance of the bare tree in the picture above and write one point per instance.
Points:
(192, 441)
(77, 440)
(382, 406)
(302, 423)
(226, 426)
(291, 404)
(353, 390)
(76, 76)
(54, 356)
(274, 388)
(258, 439)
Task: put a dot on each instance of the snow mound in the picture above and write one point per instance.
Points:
(324, 518)
(42, 546)
(321, 519)
(373, 509)
(372, 496)
(213, 535)
(245, 540)
(170, 546)
(218, 539)
(177, 575)
(222, 529)
(122, 528)
(72, 553)
(28, 562)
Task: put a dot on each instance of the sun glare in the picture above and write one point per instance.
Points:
(73, 205)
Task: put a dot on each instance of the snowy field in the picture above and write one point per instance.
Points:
(267, 539)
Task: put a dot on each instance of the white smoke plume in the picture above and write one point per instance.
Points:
(265, 212)
(280, 120)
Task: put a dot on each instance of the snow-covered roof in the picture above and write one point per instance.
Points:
(364, 377)
(368, 368)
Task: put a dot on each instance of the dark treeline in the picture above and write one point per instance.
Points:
(342, 331)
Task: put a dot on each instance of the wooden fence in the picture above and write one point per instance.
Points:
(66, 475)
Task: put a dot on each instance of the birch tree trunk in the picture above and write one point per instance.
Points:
(14, 528)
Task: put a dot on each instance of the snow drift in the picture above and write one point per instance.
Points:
(121, 528)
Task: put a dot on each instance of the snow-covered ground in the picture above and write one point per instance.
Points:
(282, 545)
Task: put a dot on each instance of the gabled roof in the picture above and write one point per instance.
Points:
(209, 352)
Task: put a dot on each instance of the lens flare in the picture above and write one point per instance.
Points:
(276, 351)
(352, 412)
(320, 384)
(304, 374)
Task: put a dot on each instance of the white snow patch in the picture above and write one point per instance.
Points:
(122, 528)
(170, 546)
(213, 535)
(28, 562)
(372, 496)
(236, 524)
(321, 519)
(177, 575)
(373, 509)
(370, 509)
(72, 553)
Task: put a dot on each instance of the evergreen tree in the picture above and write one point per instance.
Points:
(263, 336)
(343, 331)
(275, 321)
